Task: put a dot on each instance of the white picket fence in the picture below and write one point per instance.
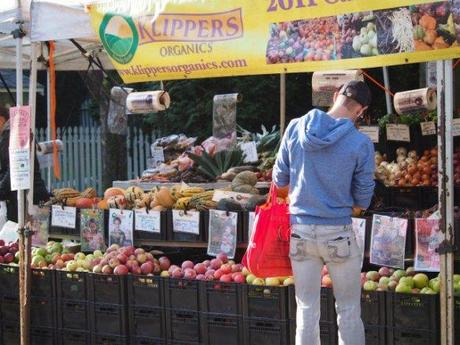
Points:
(81, 157)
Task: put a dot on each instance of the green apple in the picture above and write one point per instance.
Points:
(456, 278)
(288, 281)
(80, 256)
(38, 261)
(384, 281)
(420, 280)
(427, 291)
(250, 278)
(409, 281)
(41, 252)
(245, 271)
(403, 288)
(272, 281)
(398, 274)
(258, 281)
(370, 285)
(410, 271)
(72, 266)
(435, 284)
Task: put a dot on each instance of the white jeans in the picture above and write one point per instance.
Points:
(312, 246)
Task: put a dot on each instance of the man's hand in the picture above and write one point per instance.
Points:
(282, 192)
(357, 211)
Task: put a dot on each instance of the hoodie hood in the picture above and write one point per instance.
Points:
(318, 130)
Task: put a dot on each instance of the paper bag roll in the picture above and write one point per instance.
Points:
(148, 102)
(46, 147)
(415, 101)
(324, 84)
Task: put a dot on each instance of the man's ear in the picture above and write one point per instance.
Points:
(336, 94)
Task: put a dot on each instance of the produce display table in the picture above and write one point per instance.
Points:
(150, 185)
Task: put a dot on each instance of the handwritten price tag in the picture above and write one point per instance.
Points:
(428, 128)
(398, 132)
(64, 217)
(186, 222)
(150, 222)
(251, 220)
(158, 155)
(372, 132)
(250, 150)
(456, 127)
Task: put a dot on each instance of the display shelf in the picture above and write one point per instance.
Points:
(150, 185)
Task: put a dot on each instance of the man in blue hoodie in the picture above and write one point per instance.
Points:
(327, 166)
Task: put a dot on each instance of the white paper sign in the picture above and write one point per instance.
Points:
(252, 218)
(64, 217)
(188, 222)
(150, 221)
(9, 232)
(121, 227)
(158, 155)
(20, 169)
(398, 132)
(428, 237)
(372, 132)
(456, 127)
(359, 229)
(222, 233)
(428, 128)
(250, 151)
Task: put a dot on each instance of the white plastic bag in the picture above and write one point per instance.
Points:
(3, 216)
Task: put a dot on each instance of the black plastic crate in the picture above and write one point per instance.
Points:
(73, 315)
(38, 335)
(202, 236)
(375, 335)
(457, 317)
(328, 333)
(72, 285)
(183, 326)
(328, 313)
(411, 336)
(265, 302)
(43, 283)
(73, 337)
(107, 288)
(266, 332)
(373, 308)
(240, 227)
(222, 298)
(154, 236)
(417, 311)
(218, 329)
(109, 339)
(147, 322)
(182, 294)
(406, 197)
(42, 311)
(109, 319)
(9, 280)
(147, 341)
(145, 291)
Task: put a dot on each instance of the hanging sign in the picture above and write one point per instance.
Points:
(158, 155)
(39, 223)
(19, 147)
(164, 40)
(427, 239)
(222, 233)
(428, 128)
(121, 227)
(148, 221)
(372, 132)
(188, 222)
(388, 241)
(398, 132)
(64, 217)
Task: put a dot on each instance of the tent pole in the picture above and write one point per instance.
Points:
(386, 80)
(48, 122)
(282, 102)
(446, 194)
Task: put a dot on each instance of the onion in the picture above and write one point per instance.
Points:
(411, 169)
(415, 181)
(427, 170)
(400, 158)
(434, 152)
(402, 182)
(412, 154)
(403, 165)
(417, 176)
(401, 151)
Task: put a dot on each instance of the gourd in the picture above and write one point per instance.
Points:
(164, 198)
(229, 205)
(117, 201)
(244, 182)
(254, 201)
(112, 192)
(103, 205)
(133, 193)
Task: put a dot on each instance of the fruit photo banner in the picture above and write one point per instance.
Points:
(177, 39)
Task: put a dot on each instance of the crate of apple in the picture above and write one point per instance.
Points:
(9, 252)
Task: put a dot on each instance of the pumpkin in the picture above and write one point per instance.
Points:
(103, 205)
(159, 208)
(113, 192)
(117, 201)
(86, 202)
(164, 198)
(244, 177)
(134, 193)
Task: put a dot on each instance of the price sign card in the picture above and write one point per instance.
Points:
(427, 239)
(222, 233)
(187, 222)
(456, 127)
(388, 241)
(372, 132)
(150, 221)
(250, 151)
(39, 221)
(398, 132)
(63, 217)
(158, 155)
(428, 128)
(19, 147)
(359, 229)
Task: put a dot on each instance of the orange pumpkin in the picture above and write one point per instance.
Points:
(86, 202)
(103, 205)
(113, 191)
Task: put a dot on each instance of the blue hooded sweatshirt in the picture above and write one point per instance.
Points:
(329, 167)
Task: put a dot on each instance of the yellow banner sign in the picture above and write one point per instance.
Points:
(177, 39)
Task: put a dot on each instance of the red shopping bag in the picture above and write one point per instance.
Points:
(267, 254)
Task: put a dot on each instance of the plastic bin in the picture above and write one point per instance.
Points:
(43, 283)
(153, 236)
(9, 278)
(265, 302)
(108, 319)
(72, 286)
(182, 294)
(38, 335)
(73, 337)
(416, 311)
(373, 308)
(411, 336)
(328, 313)
(42, 311)
(266, 332)
(183, 326)
(218, 329)
(222, 298)
(375, 335)
(145, 291)
(147, 322)
(73, 315)
(147, 341)
(109, 339)
(107, 288)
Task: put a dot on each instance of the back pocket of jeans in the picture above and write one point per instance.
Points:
(339, 249)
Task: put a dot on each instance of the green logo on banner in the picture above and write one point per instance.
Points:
(119, 37)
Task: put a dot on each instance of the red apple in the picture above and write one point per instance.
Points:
(139, 251)
(237, 267)
(4, 250)
(147, 267)
(129, 251)
(216, 263)
(200, 277)
(1, 259)
(223, 257)
(172, 268)
(219, 273)
(149, 257)
(177, 273)
(2, 243)
(209, 274)
(114, 263)
(122, 258)
(239, 277)
(164, 263)
(207, 263)
(136, 270)
(189, 273)
(8, 258)
(141, 258)
(187, 264)
(226, 278)
(107, 269)
(384, 272)
(226, 268)
(200, 268)
(13, 250)
(121, 270)
(112, 248)
(96, 269)
(132, 257)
